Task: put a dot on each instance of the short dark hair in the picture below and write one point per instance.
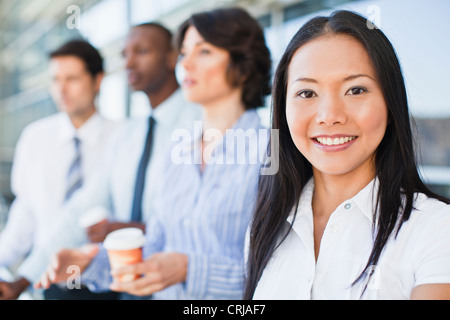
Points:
(234, 30)
(83, 50)
(166, 32)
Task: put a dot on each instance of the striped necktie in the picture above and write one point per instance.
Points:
(74, 175)
(136, 210)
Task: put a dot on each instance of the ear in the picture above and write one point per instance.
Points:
(98, 81)
(171, 59)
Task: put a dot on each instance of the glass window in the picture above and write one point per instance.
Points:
(105, 22)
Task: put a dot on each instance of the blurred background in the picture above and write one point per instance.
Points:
(30, 29)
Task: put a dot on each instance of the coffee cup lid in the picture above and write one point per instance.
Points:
(93, 216)
(124, 239)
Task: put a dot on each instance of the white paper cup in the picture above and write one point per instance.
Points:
(93, 216)
(124, 247)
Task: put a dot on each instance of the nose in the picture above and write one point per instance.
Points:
(187, 62)
(129, 61)
(331, 111)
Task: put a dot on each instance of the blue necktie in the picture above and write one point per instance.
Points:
(136, 211)
(74, 175)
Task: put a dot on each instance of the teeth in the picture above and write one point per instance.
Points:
(335, 141)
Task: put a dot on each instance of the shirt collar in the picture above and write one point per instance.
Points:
(248, 120)
(66, 130)
(365, 200)
(164, 112)
(89, 132)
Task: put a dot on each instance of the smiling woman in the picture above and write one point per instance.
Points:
(346, 208)
(338, 99)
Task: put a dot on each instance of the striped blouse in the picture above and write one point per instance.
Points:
(204, 214)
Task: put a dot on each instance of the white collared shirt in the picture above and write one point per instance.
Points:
(43, 156)
(113, 186)
(419, 255)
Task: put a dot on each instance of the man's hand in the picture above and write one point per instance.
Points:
(98, 232)
(159, 271)
(60, 262)
(12, 290)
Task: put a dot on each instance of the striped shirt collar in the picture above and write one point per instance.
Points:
(249, 120)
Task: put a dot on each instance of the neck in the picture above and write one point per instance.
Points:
(332, 190)
(218, 116)
(221, 114)
(79, 119)
(156, 97)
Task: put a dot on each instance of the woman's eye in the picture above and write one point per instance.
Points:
(356, 91)
(205, 51)
(306, 94)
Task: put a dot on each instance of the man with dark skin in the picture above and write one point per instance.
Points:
(150, 63)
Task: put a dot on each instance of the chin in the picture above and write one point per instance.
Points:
(191, 97)
(136, 87)
(66, 109)
(335, 167)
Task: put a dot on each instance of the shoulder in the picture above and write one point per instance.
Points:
(45, 123)
(430, 209)
(428, 240)
(109, 124)
(127, 129)
(429, 223)
(47, 126)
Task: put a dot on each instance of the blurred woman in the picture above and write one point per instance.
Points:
(347, 215)
(195, 241)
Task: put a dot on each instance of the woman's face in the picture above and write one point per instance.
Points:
(205, 69)
(335, 108)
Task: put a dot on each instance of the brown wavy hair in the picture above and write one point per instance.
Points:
(234, 30)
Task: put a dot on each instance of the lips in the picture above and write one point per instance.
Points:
(334, 143)
(188, 82)
(133, 77)
(65, 101)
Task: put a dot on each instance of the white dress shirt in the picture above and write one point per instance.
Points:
(113, 186)
(42, 159)
(420, 254)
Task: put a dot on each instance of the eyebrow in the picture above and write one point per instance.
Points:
(198, 43)
(358, 76)
(351, 77)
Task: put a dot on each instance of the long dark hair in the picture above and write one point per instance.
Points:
(234, 30)
(395, 162)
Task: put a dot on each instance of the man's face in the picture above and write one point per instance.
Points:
(147, 60)
(72, 87)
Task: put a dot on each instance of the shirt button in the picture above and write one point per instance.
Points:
(347, 206)
(334, 228)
